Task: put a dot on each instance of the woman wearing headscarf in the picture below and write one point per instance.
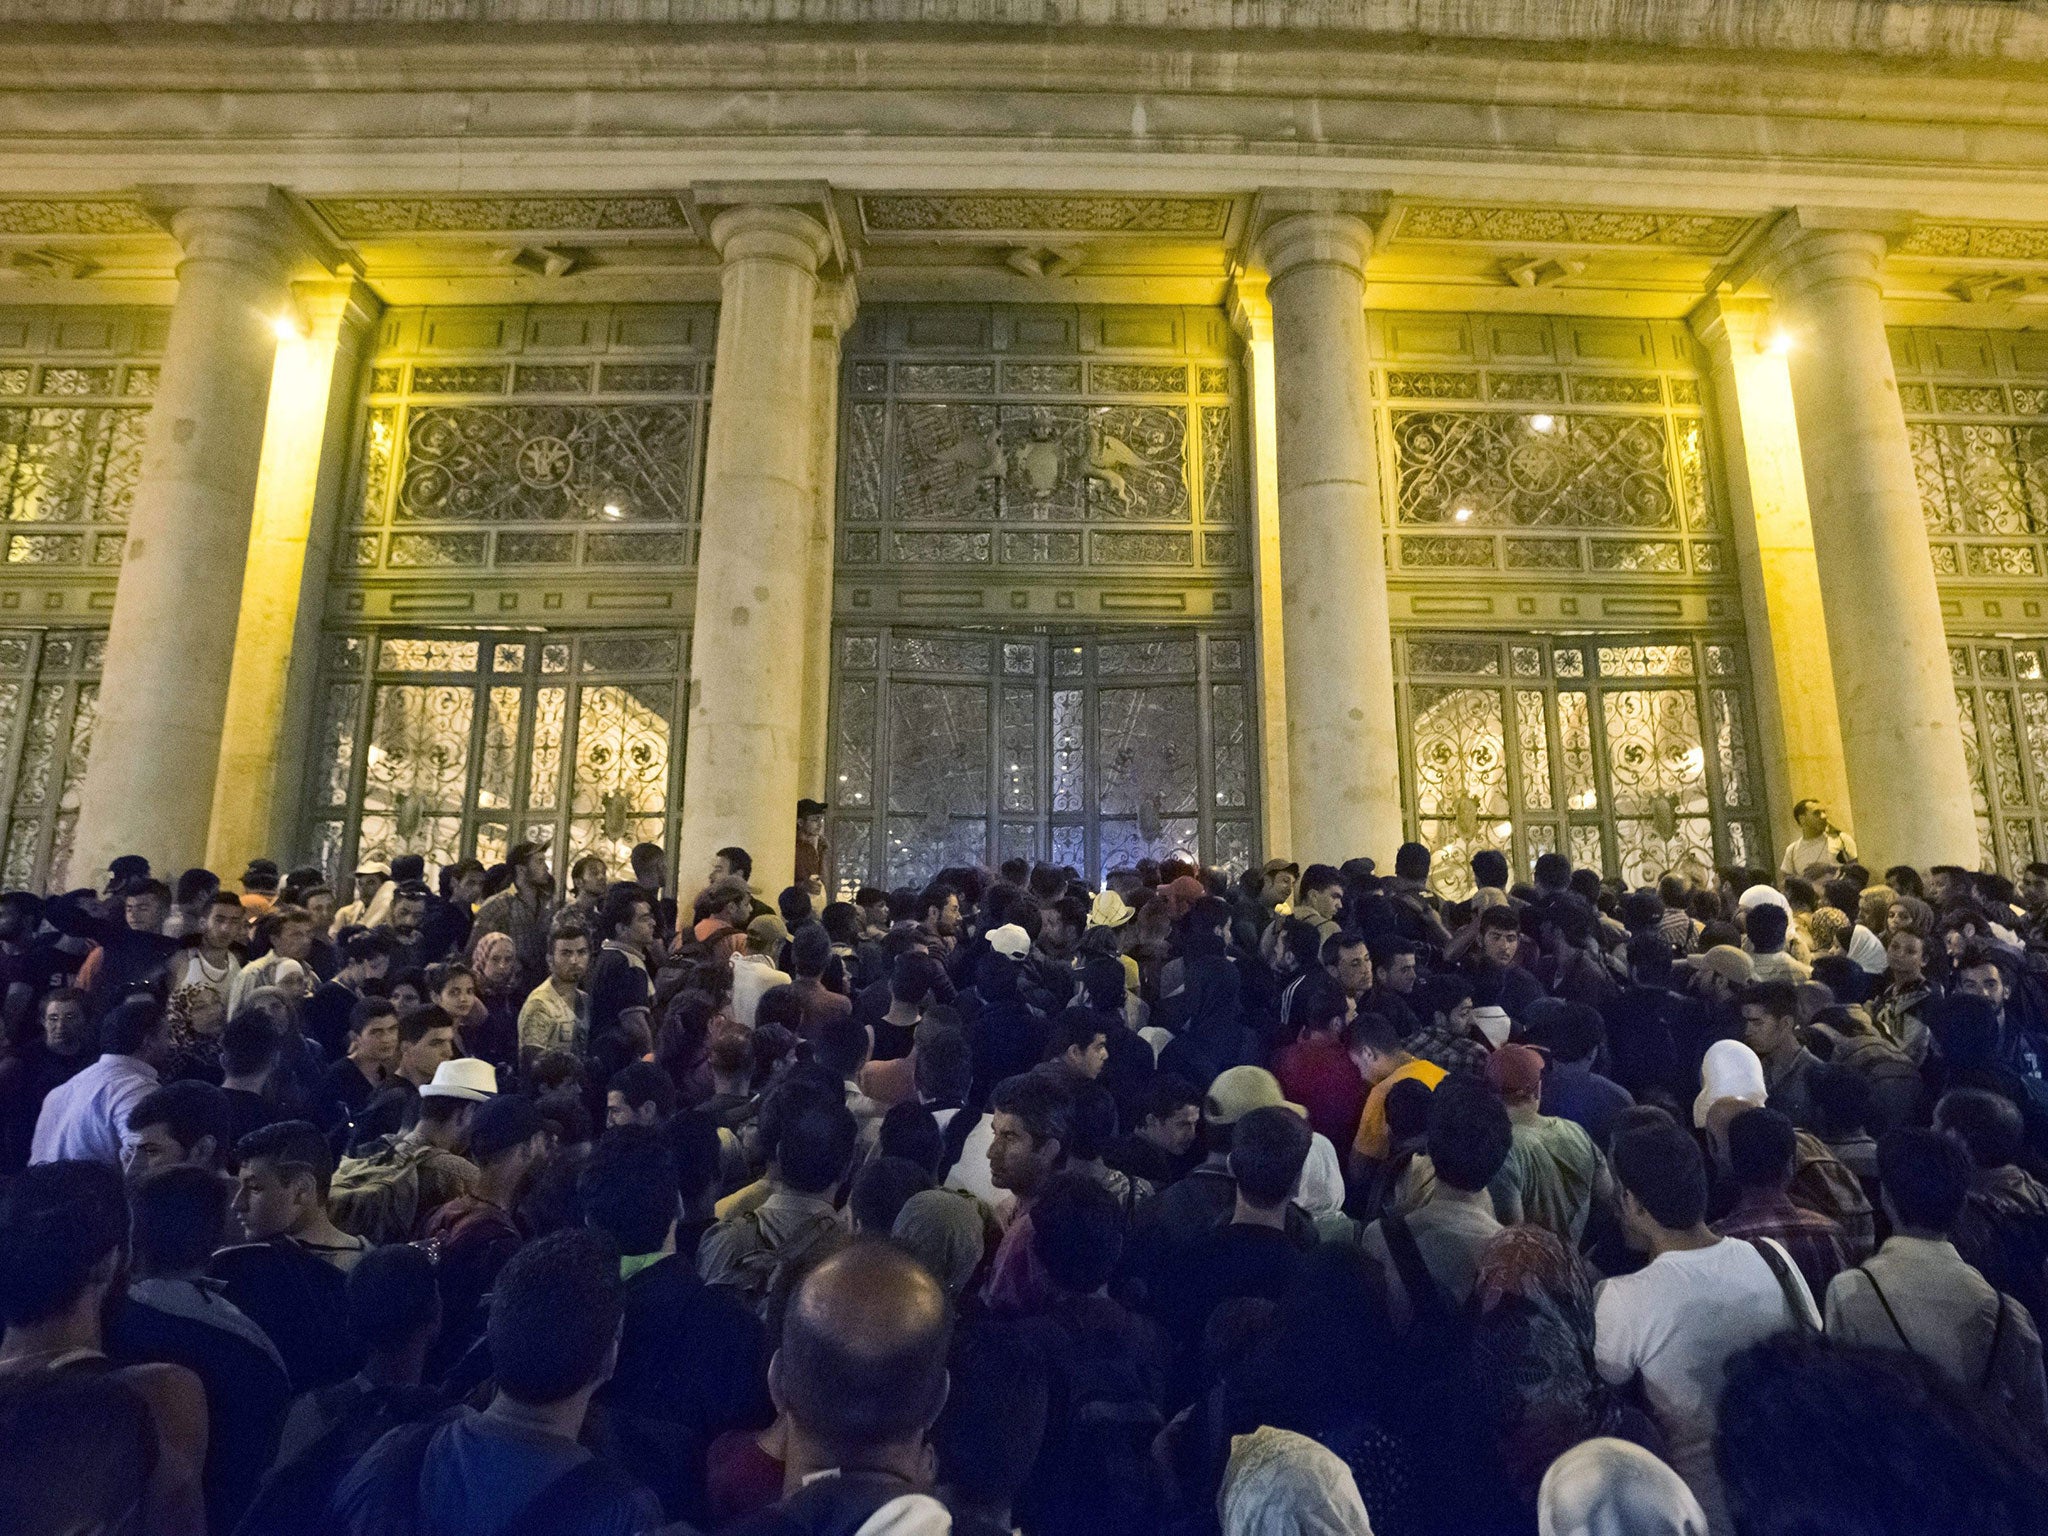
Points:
(1279, 1483)
(494, 1033)
(1612, 1488)
(1532, 1357)
(945, 1230)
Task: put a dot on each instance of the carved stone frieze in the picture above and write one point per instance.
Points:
(2009, 242)
(1702, 234)
(75, 216)
(940, 213)
(359, 218)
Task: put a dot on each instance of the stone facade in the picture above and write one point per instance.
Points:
(1516, 424)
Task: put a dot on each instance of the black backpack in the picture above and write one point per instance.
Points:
(295, 1499)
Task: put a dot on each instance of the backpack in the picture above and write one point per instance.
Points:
(758, 1265)
(1895, 1086)
(295, 1499)
(560, 1505)
(1439, 1333)
(377, 1196)
(1822, 1184)
(1095, 1474)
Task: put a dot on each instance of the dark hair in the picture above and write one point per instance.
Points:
(810, 950)
(815, 1147)
(58, 1222)
(1407, 1107)
(628, 1188)
(555, 1313)
(1842, 1100)
(1166, 1095)
(1320, 877)
(1779, 999)
(621, 898)
(1661, 1166)
(1316, 1002)
(1411, 862)
(1569, 1031)
(365, 944)
(392, 1297)
(189, 1111)
(911, 1132)
(1489, 867)
(641, 1083)
(935, 895)
(1760, 1147)
(1926, 1177)
(880, 1190)
(1469, 1134)
(1092, 1123)
(989, 1435)
(1499, 920)
(415, 1026)
(1104, 983)
(692, 1138)
(367, 1010)
(126, 1029)
(1045, 1107)
(1074, 1029)
(249, 1043)
(1766, 925)
(1817, 1437)
(841, 1045)
(944, 1069)
(1077, 1232)
(1267, 1150)
(1373, 1031)
(176, 1218)
(197, 884)
(853, 1389)
(738, 860)
(1551, 872)
(295, 1146)
(1989, 1125)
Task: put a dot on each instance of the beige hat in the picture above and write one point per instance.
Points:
(1109, 911)
(1010, 941)
(1727, 962)
(1239, 1091)
(765, 934)
(463, 1078)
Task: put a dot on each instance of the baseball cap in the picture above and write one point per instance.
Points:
(765, 934)
(1515, 1071)
(1239, 1091)
(1010, 941)
(1726, 962)
(463, 1078)
(809, 807)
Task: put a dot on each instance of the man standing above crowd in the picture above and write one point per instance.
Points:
(521, 910)
(1820, 844)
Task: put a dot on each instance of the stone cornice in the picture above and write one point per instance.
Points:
(2011, 31)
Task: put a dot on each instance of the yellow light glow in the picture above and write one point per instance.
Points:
(1463, 515)
(287, 328)
(1542, 423)
(1778, 342)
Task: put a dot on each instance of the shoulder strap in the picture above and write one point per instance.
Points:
(1997, 1338)
(1893, 1317)
(557, 1506)
(1781, 1270)
(1425, 1297)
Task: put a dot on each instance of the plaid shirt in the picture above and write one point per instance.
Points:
(1816, 1243)
(1457, 1053)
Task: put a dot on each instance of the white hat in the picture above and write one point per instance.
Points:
(1109, 911)
(1763, 895)
(1731, 1070)
(1010, 941)
(463, 1078)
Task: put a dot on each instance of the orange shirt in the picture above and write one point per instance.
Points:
(1372, 1125)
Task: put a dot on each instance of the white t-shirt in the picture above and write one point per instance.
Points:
(191, 969)
(753, 976)
(1678, 1322)
(1828, 848)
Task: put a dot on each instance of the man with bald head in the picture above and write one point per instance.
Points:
(860, 1376)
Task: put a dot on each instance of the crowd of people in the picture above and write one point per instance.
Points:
(1308, 1202)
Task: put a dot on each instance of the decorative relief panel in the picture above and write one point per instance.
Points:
(1025, 215)
(1639, 791)
(468, 736)
(2002, 699)
(1629, 455)
(1980, 449)
(1704, 234)
(465, 478)
(362, 217)
(71, 436)
(1034, 443)
(1094, 751)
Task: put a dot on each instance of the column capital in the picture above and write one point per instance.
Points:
(1811, 248)
(1251, 311)
(1725, 320)
(331, 306)
(1319, 239)
(772, 232)
(832, 312)
(250, 225)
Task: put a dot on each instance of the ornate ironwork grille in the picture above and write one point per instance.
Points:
(1976, 407)
(449, 743)
(49, 695)
(2002, 697)
(1096, 750)
(529, 442)
(1629, 753)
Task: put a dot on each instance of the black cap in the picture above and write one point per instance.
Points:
(502, 1123)
(811, 808)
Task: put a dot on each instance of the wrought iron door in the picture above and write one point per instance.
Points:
(1097, 750)
(49, 697)
(472, 740)
(2002, 697)
(1629, 753)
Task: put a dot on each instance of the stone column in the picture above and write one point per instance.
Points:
(1343, 755)
(837, 302)
(1252, 316)
(741, 776)
(1798, 727)
(163, 691)
(1901, 742)
(277, 636)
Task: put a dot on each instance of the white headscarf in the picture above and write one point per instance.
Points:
(1613, 1488)
(1279, 1483)
(1731, 1071)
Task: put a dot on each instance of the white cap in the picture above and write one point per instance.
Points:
(1493, 1023)
(463, 1078)
(1010, 941)
(1763, 895)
